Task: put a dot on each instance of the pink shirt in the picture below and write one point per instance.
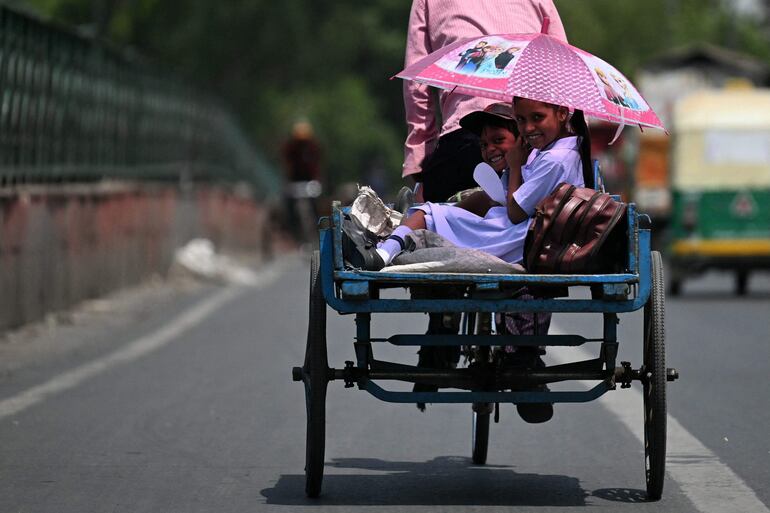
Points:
(434, 24)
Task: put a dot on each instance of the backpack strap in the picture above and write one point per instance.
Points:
(598, 205)
(561, 222)
(542, 223)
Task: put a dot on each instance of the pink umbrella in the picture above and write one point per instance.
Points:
(538, 67)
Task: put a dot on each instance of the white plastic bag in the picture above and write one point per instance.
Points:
(372, 212)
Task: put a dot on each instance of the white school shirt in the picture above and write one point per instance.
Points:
(495, 233)
(545, 169)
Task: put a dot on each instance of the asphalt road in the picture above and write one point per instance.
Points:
(180, 399)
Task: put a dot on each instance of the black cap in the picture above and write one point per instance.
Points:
(475, 121)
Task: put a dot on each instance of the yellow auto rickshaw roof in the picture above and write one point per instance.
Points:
(743, 108)
(697, 163)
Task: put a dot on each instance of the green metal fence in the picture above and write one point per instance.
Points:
(74, 110)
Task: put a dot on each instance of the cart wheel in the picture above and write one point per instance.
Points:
(741, 282)
(316, 370)
(480, 436)
(655, 383)
(676, 276)
(675, 288)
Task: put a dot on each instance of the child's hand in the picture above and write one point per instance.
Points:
(517, 155)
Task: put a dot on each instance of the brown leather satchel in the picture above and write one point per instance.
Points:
(576, 230)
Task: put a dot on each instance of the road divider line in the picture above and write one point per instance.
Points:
(135, 349)
(707, 482)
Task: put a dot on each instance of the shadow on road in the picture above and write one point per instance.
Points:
(629, 495)
(448, 480)
(718, 296)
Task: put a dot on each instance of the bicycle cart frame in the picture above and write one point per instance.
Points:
(357, 293)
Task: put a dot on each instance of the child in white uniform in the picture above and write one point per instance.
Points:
(560, 153)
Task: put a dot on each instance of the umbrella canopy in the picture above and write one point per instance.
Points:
(538, 67)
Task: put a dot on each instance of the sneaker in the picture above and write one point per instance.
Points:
(359, 246)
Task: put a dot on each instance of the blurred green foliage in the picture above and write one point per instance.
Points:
(627, 33)
(330, 61)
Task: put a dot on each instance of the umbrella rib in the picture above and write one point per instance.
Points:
(446, 84)
(596, 86)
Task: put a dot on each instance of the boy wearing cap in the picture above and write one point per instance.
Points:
(478, 222)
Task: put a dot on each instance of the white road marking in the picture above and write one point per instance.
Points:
(710, 485)
(133, 350)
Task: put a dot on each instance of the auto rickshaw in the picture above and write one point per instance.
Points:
(720, 185)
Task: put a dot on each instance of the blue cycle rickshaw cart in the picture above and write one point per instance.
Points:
(357, 292)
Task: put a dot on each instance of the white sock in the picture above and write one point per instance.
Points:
(391, 247)
(386, 257)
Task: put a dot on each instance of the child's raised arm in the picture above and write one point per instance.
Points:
(515, 157)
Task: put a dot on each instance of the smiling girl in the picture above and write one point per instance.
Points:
(551, 148)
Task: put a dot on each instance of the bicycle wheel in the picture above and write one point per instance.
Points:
(654, 383)
(480, 323)
(480, 436)
(316, 370)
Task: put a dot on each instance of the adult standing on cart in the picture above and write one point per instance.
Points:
(438, 154)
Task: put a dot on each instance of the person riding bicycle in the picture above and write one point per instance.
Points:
(302, 167)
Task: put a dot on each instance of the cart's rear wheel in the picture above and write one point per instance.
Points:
(480, 434)
(316, 370)
(655, 383)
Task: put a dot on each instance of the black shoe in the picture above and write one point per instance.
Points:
(529, 358)
(435, 357)
(404, 200)
(536, 413)
(359, 246)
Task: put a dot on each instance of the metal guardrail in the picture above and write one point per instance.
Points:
(72, 109)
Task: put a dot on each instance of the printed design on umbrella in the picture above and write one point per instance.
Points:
(613, 85)
(539, 67)
(489, 57)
